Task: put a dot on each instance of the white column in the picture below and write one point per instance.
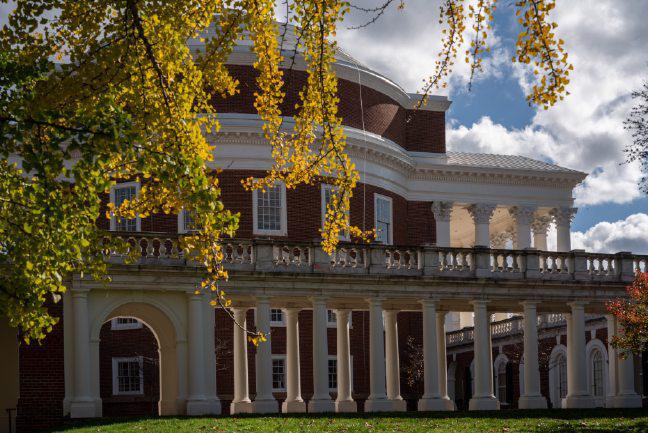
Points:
(196, 399)
(441, 361)
(539, 226)
(377, 401)
(392, 362)
(210, 357)
(624, 393)
(578, 395)
(532, 398)
(610, 400)
(321, 400)
(523, 216)
(82, 404)
(442, 211)
(241, 402)
(344, 401)
(481, 214)
(294, 402)
(483, 398)
(563, 217)
(432, 370)
(264, 402)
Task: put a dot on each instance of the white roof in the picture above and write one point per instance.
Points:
(515, 162)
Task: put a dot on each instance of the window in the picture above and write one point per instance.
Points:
(186, 223)
(327, 192)
(269, 211)
(121, 323)
(383, 216)
(128, 376)
(561, 365)
(501, 382)
(597, 373)
(331, 319)
(332, 374)
(277, 317)
(278, 373)
(118, 194)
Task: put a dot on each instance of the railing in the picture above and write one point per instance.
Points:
(501, 328)
(478, 262)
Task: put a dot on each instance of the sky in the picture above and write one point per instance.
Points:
(606, 41)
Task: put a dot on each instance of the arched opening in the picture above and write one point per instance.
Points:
(503, 379)
(557, 376)
(130, 371)
(129, 368)
(597, 371)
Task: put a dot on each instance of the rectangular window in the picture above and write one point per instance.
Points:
(269, 211)
(331, 319)
(277, 317)
(186, 222)
(118, 194)
(121, 323)
(327, 192)
(384, 220)
(278, 373)
(332, 374)
(128, 377)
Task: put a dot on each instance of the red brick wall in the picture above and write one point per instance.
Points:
(129, 343)
(413, 221)
(42, 379)
(424, 132)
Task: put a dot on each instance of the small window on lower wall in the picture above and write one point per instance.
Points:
(278, 373)
(128, 376)
(332, 372)
(121, 323)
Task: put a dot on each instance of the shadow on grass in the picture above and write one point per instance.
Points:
(552, 417)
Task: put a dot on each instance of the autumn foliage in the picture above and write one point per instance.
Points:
(632, 315)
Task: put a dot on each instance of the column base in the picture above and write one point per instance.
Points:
(398, 405)
(241, 407)
(168, 407)
(269, 405)
(346, 406)
(378, 405)
(83, 409)
(435, 404)
(295, 406)
(201, 407)
(321, 405)
(532, 402)
(627, 401)
(483, 403)
(578, 402)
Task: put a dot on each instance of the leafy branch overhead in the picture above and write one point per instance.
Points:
(93, 93)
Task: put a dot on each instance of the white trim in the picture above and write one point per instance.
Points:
(592, 345)
(181, 225)
(344, 235)
(285, 373)
(115, 380)
(554, 377)
(390, 235)
(283, 231)
(113, 218)
(116, 326)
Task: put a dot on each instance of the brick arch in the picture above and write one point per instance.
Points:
(165, 331)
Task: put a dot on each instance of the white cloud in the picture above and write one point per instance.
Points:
(630, 234)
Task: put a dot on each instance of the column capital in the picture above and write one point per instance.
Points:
(319, 300)
(263, 299)
(479, 302)
(498, 240)
(442, 210)
(522, 214)
(79, 293)
(577, 304)
(377, 300)
(530, 303)
(540, 224)
(291, 311)
(481, 212)
(428, 302)
(563, 215)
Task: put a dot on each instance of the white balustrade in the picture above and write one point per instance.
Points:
(295, 255)
(238, 253)
(455, 260)
(554, 263)
(640, 264)
(601, 264)
(401, 259)
(506, 261)
(349, 257)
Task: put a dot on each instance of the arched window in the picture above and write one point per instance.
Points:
(561, 368)
(501, 382)
(597, 373)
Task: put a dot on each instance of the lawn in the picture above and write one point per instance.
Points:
(560, 421)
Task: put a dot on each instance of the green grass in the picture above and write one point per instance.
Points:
(559, 421)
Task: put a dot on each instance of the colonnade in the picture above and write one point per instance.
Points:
(384, 369)
(526, 221)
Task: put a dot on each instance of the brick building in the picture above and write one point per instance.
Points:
(460, 258)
